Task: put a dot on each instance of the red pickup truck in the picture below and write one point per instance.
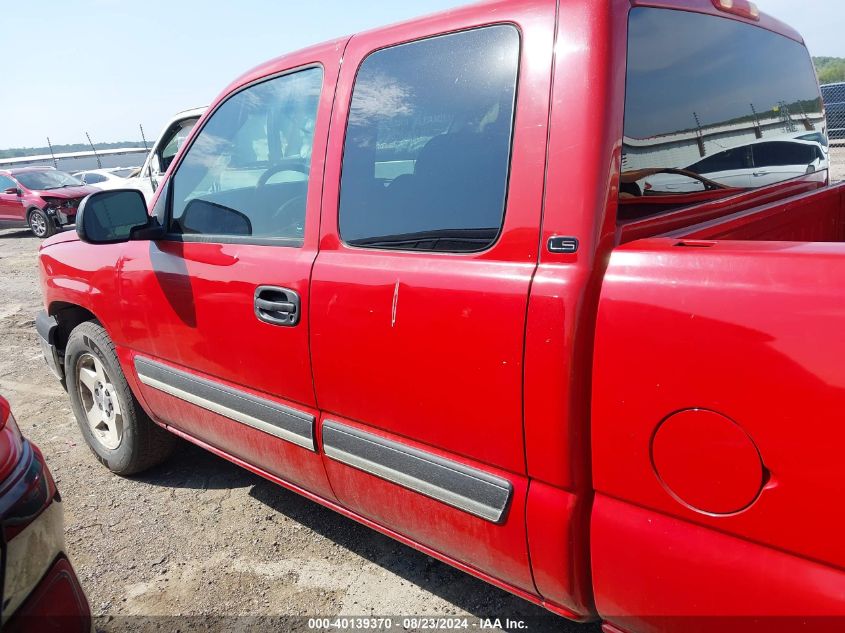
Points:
(547, 290)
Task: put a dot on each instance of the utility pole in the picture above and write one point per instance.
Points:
(758, 130)
(143, 138)
(699, 135)
(808, 125)
(94, 149)
(50, 145)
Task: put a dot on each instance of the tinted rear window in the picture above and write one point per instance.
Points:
(701, 93)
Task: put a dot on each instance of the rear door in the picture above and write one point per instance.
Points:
(217, 312)
(428, 244)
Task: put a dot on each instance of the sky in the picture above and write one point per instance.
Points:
(106, 66)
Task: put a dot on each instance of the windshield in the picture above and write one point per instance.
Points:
(123, 172)
(47, 179)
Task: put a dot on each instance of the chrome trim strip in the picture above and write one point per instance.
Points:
(477, 492)
(265, 415)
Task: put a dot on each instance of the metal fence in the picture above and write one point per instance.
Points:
(834, 103)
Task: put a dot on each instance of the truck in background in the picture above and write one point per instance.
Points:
(162, 153)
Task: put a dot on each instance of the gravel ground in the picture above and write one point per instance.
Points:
(197, 541)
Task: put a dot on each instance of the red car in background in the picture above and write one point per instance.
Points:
(40, 590)
(42, 198)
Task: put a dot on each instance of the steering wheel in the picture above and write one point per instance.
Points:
(286, 164)
(291, 217)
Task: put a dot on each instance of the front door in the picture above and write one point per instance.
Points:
(10, 203)
(419, 292)
(218, 335)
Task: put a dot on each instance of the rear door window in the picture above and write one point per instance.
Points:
(730, 159)
(778, 154)
(427, 149)
(707, 94)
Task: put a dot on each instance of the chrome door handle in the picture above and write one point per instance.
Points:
(277, 306)
(266, 305)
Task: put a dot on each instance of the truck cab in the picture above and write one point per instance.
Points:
(426, 288)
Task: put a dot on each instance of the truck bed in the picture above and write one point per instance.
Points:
(799, 212)
(816, 216)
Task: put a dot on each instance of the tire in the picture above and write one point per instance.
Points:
(115, 427)
(40, 224)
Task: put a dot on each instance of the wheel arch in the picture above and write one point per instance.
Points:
(30, 209)
(68, 316)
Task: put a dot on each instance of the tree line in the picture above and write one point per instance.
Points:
(830, 69)
(15, 152)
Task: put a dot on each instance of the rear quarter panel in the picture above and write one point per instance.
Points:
(753, 331)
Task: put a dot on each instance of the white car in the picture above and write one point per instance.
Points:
(115, 178)
(757, 164)
(163, 152)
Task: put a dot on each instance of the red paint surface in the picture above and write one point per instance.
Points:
(658, 573)
(558, 530)
(713, 335)
(10, 441)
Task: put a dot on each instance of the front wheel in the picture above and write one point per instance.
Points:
(115, 427)
(40, 224)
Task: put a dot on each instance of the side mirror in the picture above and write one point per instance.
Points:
(118, 215)
(13, 191)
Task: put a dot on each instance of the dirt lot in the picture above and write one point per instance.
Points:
(198, 541)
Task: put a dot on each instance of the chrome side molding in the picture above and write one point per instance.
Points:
(265, 415)
(469, 489)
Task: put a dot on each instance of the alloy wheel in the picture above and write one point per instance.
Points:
(38, 224)
(99, 399)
